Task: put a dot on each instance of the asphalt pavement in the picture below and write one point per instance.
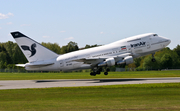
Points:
(21, 84)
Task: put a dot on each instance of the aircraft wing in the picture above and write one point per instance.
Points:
(122, 55)
(90, 60)
(95, 61)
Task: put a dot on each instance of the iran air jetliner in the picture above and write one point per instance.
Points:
(120, 52)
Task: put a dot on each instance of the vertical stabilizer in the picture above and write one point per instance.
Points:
(32, 49)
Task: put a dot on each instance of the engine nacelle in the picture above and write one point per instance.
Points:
(110, 62)
(107, 62)
(127, 60)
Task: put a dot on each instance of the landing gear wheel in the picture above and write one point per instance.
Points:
(153, 60)
(93, 74)
(105, 73)
(100, 69)
(98, 72)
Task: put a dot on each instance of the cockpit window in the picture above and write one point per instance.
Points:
(155, 35)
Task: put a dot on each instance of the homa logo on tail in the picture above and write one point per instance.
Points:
(32, 50)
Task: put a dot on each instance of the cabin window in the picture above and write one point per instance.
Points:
(155, 35)
(134, 40)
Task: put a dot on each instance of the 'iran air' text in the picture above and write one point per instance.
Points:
(138, 44)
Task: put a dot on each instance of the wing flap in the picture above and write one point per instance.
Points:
(90, 60)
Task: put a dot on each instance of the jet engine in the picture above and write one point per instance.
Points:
(107, 62)
(126, 60)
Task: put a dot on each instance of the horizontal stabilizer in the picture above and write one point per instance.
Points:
(35, 64)
(21, 65)
(39, 64)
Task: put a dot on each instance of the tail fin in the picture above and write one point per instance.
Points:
(32, 49)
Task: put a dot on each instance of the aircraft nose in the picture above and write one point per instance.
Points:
(165, 41)
(168, 41)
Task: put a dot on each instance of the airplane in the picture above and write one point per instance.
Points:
(120, 52)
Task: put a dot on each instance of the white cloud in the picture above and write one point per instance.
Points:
(5, 16)
(69, 38)
(0, 28)
(10, 14)
(62, 31)
(9, 23)
(101, 32)
(46, 36)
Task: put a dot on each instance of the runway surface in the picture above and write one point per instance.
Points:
(20, 84)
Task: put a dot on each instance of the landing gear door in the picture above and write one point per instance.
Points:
(61, 63)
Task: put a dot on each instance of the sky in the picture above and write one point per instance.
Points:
(89, 21)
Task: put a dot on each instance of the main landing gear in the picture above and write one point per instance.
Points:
(106, 71)
(153, 59)
(96, 71)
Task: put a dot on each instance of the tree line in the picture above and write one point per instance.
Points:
(165, 59)
(10, 54)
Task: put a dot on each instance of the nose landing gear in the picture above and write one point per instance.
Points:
(153, 59)
(106, 71)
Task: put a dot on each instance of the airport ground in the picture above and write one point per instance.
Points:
(161, 96)
(86, 75)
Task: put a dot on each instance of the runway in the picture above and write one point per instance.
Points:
(21, 84)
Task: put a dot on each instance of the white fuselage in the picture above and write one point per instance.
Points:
(135, 46)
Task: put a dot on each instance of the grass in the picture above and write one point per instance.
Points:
(85, 75)
(165, 96)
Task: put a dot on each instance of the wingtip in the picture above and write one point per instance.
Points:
(17, 34)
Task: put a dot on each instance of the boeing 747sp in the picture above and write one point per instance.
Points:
(120, 52)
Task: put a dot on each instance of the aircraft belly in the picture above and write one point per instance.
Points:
(76, 65)
(71, 66)
(53, 67)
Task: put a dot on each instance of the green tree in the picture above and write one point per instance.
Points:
(87, 46)
(54, 47)
(72, 46)
(177, 50)
(166, 61)
(3, 60)
(64, 50)
(18, 57)
(4, 54)
(137, 61)
(90, 46)
(175, 58)
(148, 64)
